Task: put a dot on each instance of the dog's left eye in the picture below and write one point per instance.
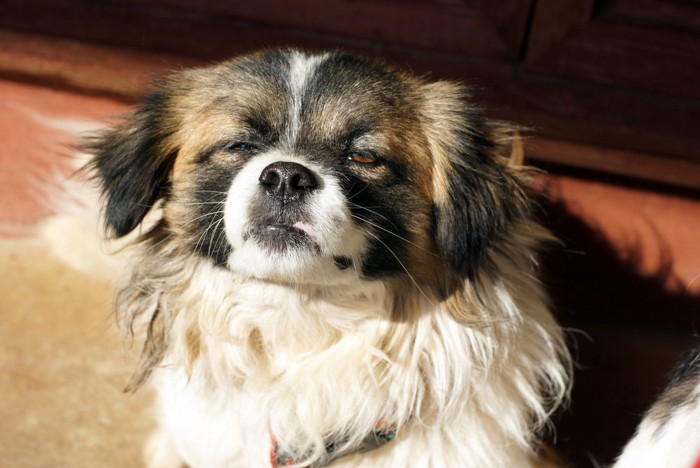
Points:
(363, 157)
(240, 147)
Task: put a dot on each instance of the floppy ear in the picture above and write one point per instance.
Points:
(132, 164)
(476, 193)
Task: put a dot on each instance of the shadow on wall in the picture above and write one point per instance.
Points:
(592, 279)
(627, 329)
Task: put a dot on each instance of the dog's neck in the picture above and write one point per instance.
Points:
(271, 323)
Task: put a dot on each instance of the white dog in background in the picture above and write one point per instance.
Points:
(669, 435)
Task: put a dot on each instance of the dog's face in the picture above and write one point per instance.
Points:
(311, 169)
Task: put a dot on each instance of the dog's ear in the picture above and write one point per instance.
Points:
(476, 190)
(132, 163)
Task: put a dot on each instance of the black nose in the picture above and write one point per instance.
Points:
(287, 180)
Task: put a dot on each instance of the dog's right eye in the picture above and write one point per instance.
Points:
(363, 157)
(240, 147)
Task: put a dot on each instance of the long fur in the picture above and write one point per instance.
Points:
(439, 325)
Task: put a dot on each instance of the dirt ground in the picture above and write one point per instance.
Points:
(63, 367)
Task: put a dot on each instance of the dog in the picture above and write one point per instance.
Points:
(669, 434)
(332, 262)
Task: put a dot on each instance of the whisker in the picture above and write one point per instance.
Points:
(395, 235)
(202, 237)
(374, 213)
(212, 224)
(213, 191)
(211, 213)
(217, 234)
(359, 192)
(204, 203)
(221, 238)
(410, 276)
(164, 240)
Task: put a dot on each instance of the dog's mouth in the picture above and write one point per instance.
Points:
(281, 236)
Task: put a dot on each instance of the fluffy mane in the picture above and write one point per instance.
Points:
(396, 287)
(332, 362)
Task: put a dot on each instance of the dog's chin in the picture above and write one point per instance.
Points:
(288, 254)
(282, 238)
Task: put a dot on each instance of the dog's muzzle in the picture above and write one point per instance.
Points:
(286, 186)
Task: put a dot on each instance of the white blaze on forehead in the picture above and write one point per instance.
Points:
(301, 69)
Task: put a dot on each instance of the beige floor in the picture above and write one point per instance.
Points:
(62, 368)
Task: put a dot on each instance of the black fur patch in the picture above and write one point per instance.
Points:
(131, 166)
(206, 225)
(381, 211)
(343, 263)
(483, 200)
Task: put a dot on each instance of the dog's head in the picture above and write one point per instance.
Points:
(312, 169)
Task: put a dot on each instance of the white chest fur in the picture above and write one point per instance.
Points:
(209, 430)
(276, 360)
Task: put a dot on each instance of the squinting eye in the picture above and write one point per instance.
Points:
(240, 147)
(363, 157)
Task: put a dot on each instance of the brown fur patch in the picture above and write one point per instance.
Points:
(193, 345)
(154, 349)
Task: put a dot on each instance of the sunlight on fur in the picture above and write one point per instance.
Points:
(389, 275)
